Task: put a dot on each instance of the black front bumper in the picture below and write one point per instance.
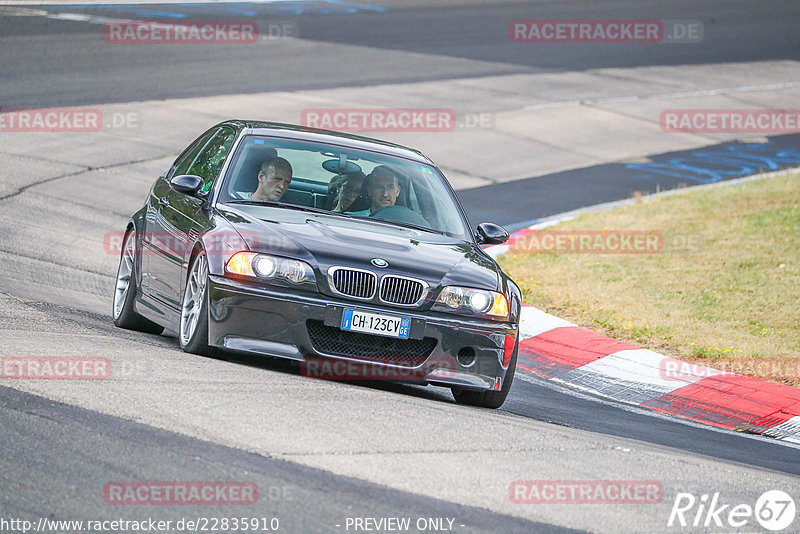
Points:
(275, 321)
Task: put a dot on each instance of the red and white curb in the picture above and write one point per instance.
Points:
(563, 352)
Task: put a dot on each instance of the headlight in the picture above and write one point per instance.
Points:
(273, 268)
(265, 266)
(478, 301)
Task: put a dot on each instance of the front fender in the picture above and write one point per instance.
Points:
(221, 242)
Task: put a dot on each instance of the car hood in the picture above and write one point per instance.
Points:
(332, 240)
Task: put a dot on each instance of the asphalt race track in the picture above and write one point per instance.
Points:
(473, 31)
(559, 127)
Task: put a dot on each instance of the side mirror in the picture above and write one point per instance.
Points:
(491, 234)
(188, 184)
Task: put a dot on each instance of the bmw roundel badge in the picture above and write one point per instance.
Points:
(377, 262)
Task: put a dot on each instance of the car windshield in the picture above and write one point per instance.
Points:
(344, 181)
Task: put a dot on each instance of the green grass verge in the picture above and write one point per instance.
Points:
(724, 291)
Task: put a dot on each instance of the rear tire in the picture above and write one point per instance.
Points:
(193, 335)
(123, 312)
(489, 399)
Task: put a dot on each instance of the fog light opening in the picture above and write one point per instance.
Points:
(466, 356)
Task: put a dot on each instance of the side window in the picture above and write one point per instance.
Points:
(184, 161)
(210, 160)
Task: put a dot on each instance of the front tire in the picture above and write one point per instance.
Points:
(193, 335)
(489, 399)
(123, 311)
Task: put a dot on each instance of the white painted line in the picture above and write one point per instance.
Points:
(559, 104)
(551, 222)
(613, 100)
(633, 376)
(642, 366)
(789, 430)
(21, 12)
(534, 322)
(81, 17)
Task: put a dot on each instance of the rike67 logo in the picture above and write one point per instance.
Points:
(774, 510)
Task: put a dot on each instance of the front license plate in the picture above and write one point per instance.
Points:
(375, 323)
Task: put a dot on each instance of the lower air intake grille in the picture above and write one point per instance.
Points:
(336, 342)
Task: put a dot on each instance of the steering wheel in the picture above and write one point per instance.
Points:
(401, 214)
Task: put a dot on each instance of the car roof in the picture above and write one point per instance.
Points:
(304, 133)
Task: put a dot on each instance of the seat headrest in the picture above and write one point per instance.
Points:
(248, 172)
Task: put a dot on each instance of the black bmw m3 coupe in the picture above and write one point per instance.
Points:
(342, 252)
